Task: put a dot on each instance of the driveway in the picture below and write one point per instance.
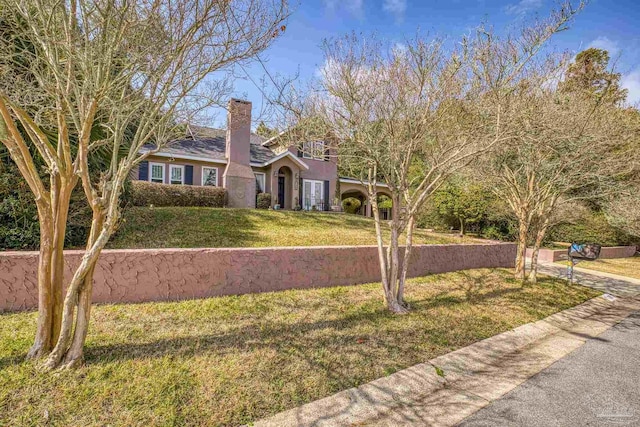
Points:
(596, 385)
(608, 283)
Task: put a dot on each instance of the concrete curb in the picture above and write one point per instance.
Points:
(449, 388)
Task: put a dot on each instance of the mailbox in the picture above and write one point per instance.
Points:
(581, 252)
(586, 251)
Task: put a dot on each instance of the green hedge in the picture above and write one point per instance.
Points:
(145, 193)
(263, 201)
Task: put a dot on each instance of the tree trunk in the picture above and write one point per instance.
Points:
(405, 263)
(462, 226)
(61, 197)
(389, 258)
(43, 342)
(542, 230)
(75, 354)
(53, 223)
(521, 253)
(76, 298)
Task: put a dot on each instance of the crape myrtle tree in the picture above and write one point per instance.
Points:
(623, 210)
(563, 146)
(409, 116)
(94, 69)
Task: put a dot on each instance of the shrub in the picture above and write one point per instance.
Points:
(590, 226)
(19, 227)
(264, 201)
(351, 205)
(145, 193)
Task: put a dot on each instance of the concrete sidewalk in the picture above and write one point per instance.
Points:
(613, 284)
(449, 388)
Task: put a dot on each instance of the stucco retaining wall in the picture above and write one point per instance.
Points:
(129, 276)
(608, 252)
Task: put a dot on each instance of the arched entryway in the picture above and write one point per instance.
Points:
(357, 194)
(284, 187)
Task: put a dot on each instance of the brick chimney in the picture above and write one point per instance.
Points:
(238, 176)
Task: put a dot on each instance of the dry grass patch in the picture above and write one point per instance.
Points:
(180, 227)
(629, 267)
(231, 360)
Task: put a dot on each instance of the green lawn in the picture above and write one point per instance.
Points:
(622, 266)
(232, 360)
(179, 227)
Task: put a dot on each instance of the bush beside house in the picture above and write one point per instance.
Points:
(263, 201)
(145, 193)
(351, 205)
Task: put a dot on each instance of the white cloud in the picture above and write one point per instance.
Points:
(606, 44)
(396, 8)
(631, 82)
(523, 7)
(356, 7)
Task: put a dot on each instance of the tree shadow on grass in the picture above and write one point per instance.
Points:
(301, 335)
(300, 339)
(476, 289)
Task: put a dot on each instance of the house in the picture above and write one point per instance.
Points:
(246, 164)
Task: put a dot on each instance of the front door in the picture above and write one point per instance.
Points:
(281, 192)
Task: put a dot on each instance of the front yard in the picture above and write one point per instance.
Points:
(233, 360)
(180, 227)
(629, 267)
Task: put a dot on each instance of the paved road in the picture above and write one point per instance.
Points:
(597, 385)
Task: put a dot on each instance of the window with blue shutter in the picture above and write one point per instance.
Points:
(188, 175)
(327, 202)
(143, 171)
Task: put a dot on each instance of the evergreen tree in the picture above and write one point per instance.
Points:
(591, 75)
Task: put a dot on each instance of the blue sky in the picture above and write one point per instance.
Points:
(610, 24)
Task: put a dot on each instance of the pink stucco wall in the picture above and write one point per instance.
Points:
(609, 252)
(129, 276)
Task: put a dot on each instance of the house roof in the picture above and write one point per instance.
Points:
(209, 143)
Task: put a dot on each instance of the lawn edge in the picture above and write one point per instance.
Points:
(468, 378)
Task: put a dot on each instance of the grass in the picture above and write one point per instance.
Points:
(232, 360)
(622, 266)
(210, 227)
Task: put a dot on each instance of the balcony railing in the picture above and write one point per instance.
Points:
(315, 205)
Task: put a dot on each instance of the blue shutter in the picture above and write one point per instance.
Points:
(300, 201)
(327, 204)
(327, 153)
(143, 171)
(188, 175)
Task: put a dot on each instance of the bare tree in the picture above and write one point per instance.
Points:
(108, 75)
(563, 147)
(623, 210)
(409, 116)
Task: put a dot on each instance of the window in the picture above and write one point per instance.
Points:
(177, 174)
(209, 176)
(260, 182)
(312, 194)
(157, 172)
(313, 150)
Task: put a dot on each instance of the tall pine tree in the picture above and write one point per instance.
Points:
(591, 75)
